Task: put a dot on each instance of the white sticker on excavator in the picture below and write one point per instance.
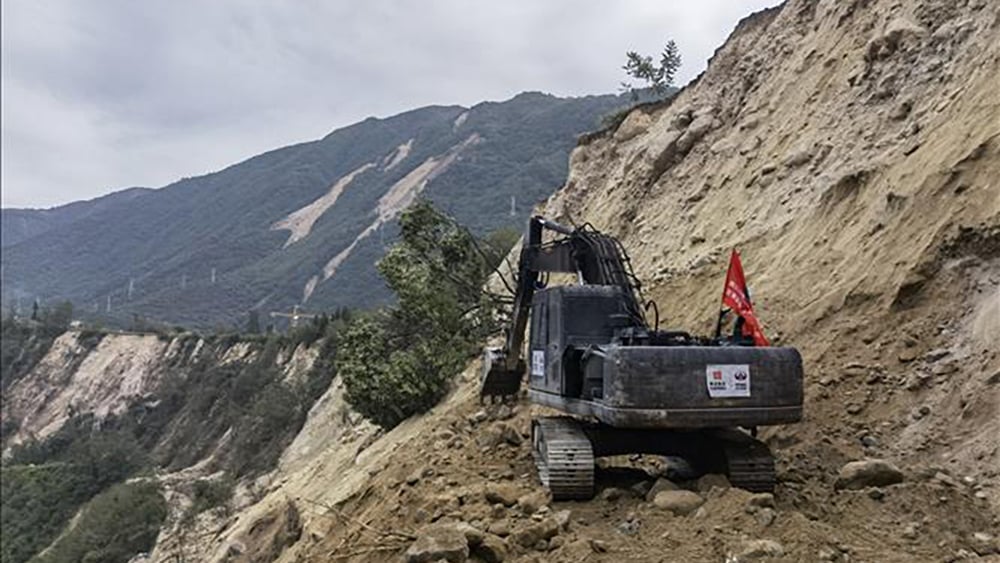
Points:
(538, 363)
(728, 380)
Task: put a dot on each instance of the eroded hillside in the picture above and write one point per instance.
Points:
(851, 151)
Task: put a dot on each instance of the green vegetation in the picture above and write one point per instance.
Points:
(45, 483)
(251, 399)
(657, 77)
(114, 526)
(400, 361)
(169, 241)
(36, 503)
(209, 494)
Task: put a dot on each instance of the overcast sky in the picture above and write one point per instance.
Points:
(100, 95)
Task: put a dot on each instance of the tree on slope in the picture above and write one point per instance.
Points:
(400, 361)
(657, 77)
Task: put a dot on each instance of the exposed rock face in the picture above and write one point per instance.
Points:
(267, 537)
(70, 378)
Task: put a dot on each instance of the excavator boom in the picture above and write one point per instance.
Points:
(596, 259)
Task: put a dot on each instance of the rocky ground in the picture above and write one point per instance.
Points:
(468, 489)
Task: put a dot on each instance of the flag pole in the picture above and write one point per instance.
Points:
(718, 325)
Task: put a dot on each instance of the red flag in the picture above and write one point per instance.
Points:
(737, 297)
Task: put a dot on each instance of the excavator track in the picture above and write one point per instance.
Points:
(564, 457)
(751, 466)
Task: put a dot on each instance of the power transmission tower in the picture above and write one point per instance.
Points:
(294, 317)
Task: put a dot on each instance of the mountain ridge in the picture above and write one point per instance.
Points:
(204, 250)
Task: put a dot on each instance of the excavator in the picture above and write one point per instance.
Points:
(622, 385)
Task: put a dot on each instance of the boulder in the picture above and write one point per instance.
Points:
(867, 473)
(599, 546)
(636, 123)
(678, 502)
(437, 543)
(491, 549)
(500, 528)
(534, 532)
(562, 518)
(659, 486)
(510, 435)
(499, 493)
(473, 535)
(641, 489)
(936, 354)
(532, 502)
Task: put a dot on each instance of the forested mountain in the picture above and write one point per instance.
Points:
(300, 225)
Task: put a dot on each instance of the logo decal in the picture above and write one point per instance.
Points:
(727, 380)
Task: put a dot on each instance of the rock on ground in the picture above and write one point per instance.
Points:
(867, 473)
(506, 495)
(491, 549)
(535, 532)
(678, 502)
(439, 542)
(660, 485)
(758, 549)
(532, 502)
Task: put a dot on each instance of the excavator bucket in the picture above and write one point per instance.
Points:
(497, 380)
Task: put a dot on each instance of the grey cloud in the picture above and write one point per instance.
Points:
(112, 93)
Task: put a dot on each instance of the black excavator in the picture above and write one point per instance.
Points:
(624, 386)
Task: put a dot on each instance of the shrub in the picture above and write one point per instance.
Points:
(209, 494)
(388, 385)
(400, 362)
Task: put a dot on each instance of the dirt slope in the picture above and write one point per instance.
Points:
(851, 151)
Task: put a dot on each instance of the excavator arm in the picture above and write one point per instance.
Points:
(596, 259)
